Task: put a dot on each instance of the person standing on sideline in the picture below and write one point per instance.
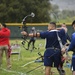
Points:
(4, 44)
(72, 48)
(53, 50)
(68, 40)
(32, 39)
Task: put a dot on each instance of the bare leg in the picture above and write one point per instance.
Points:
(73, 73)
(1, 56)
(47, 70)
(51, 73)
(8, 60)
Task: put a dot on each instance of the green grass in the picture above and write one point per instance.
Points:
(27, 56)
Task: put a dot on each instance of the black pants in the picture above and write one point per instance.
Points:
(33, 42)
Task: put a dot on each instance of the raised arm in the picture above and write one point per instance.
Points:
(30, 34)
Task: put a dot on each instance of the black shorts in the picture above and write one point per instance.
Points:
(52, 56)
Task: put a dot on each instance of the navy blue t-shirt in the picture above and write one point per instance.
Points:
(51, 38)
(72, 45)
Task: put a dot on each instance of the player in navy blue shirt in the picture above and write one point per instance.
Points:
(63, 26)
(52, 53)
(72, 48)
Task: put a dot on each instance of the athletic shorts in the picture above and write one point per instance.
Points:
(73, 63)
(52, 57)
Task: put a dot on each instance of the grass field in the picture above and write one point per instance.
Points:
(20, 67)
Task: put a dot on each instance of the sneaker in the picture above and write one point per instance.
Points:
(9, 67)
(62, 72)
(27, 49)
(34, 48)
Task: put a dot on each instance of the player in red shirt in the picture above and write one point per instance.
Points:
(4, 44)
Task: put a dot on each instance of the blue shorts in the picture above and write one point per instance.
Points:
(73, 63)
(52, 56)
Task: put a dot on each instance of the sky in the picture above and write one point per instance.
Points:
(64, 4)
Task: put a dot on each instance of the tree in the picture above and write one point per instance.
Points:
(16, 10)
(67, 15)
(54, 13)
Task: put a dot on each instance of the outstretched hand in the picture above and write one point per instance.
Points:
(63, 50)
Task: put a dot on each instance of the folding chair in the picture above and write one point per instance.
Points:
(16, 50)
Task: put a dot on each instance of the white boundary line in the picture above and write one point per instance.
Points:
(27, 63)
(20, 73)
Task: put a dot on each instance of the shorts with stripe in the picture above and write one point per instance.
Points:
(52, 56)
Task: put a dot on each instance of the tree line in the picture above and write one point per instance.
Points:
(16, 10)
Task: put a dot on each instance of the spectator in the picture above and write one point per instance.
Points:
(68, 40)
(32, 39)
(4, 44)
(72, 48)
(63, 26)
